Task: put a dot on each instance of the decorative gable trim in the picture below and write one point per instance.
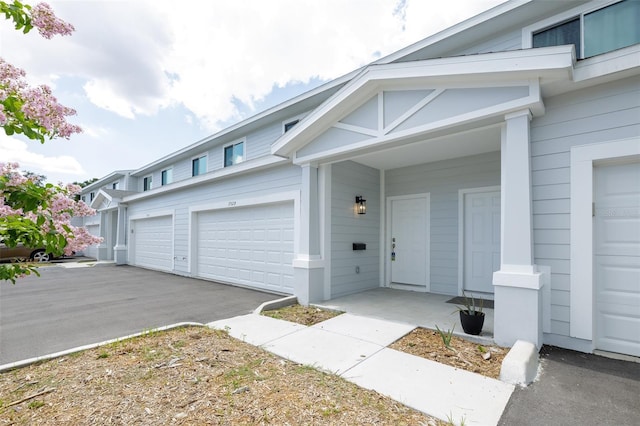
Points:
(493, 69)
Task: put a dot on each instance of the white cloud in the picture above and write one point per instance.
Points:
(138, 57)
(14, 150)
(95, 132)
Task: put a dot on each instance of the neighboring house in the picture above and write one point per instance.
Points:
(500, 156)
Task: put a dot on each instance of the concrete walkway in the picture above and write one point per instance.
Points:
(355, 347)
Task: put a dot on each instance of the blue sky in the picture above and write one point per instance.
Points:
(150, 77)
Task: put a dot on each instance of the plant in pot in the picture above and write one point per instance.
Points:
(471, 315)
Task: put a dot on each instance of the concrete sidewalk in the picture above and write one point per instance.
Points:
(355, 348)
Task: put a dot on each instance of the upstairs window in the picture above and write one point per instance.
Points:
(288, 126)
(199, 166)
(92, 195)
(147, 183)
(596, 32)
(166, 177)
(114, 185)
(234, 154)
(559, 35)
(611, 28)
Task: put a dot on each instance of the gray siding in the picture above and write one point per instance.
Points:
(604, 113)
(280, 179)
(257, 144)
(442, 180)
(348, 180)
(511, 40)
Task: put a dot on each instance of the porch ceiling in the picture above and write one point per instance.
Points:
(473, 142)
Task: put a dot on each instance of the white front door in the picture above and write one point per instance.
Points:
(617, 258)
(409, 241)
(481, 240)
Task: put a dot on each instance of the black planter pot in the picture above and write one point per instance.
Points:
(472, 323)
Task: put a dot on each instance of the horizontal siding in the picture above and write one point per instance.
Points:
(281, 179)
(508, 41)
(257, 144)
(349, 179)
(603, 113)
(442, 180)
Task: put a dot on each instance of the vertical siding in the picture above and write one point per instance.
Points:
(442, 180)
(604, 113)
(348, 180)
(280, 179)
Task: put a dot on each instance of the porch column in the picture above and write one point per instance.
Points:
(308, 266)
(120, 248)
(102, 252)
(518, 283)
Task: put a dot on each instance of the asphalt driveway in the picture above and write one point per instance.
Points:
(66, 308)
(577, 389)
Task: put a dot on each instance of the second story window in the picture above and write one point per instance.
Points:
(288, 126)
(147, 183)
(234, 154)
(596, 32)
(166, 177)
(114, 185)
(92, 195)
(199, 166)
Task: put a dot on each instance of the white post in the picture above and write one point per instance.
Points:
(120, 248)
(518, 284)
(308, 266)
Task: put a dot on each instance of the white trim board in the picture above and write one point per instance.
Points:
(581, 263)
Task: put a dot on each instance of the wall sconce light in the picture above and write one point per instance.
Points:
(361, 205)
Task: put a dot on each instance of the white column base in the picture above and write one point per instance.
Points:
(518, 308)
(120, 255)
(308, 278)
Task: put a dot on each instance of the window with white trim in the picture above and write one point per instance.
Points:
(595, 32)
(199, 166)
(147, 183)
(92, 195)
(114, 185)
(234, 153)
(166, 177)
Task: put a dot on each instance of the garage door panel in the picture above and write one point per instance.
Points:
(617, 258)
(153, 243)
(252, 246)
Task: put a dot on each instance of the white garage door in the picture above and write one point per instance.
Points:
(617, 258)
(252, 246)
(92, 251)
(152, 241)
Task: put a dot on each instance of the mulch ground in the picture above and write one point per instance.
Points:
(188, 376)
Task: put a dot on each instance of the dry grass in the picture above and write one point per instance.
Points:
(462, 353)
(305, 315)
(188, 376)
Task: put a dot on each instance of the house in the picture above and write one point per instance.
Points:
(500, 156)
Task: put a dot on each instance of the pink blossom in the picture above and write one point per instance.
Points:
(38, 104)
(48, 24)
(56, 208)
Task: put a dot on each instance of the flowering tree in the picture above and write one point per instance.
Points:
(32, 111)
(33, 214)
(39, 216)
